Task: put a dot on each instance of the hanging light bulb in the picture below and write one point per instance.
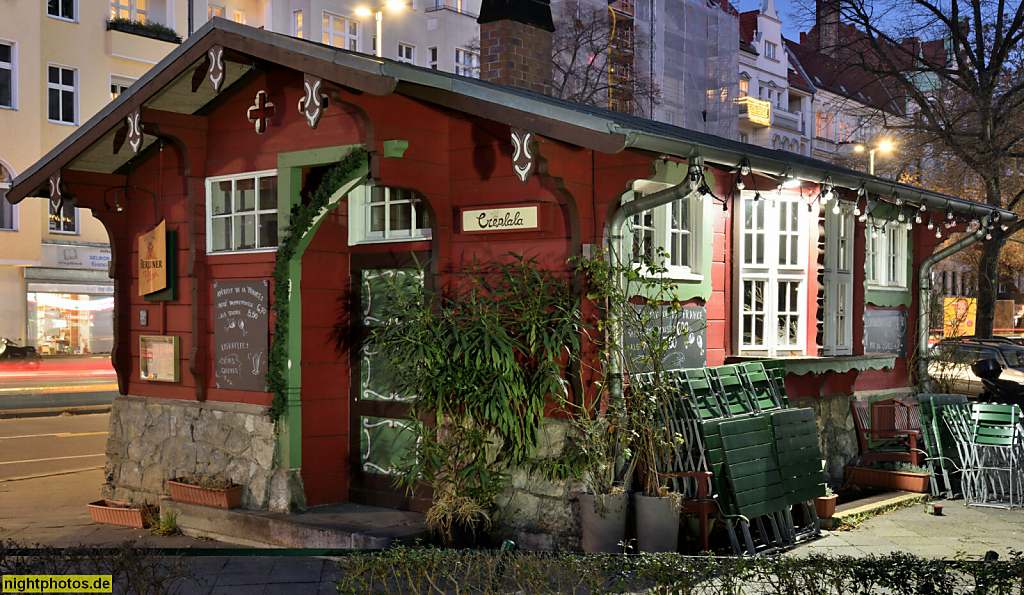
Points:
(938, 233)
(931, 224)
(856, 208)
(874, 232)
(1004, 227)
(901, 216)
(740, 184)
(745, 168)
(988, 236)
(924, 207)
(863, 217)
(917, 218)
(949, 212)
(898, 199)
(757, 195)
(835, 208)
(909, 226)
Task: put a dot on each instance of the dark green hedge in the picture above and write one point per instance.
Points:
(426, 570)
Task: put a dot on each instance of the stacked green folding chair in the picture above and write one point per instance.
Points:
(776, 370)
(799, 456)
(752, 469)
(943, 459)
(761, 386)
(956, 418)
(732, 390)
(995, 437)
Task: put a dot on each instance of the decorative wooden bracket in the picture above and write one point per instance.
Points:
(524, 161)
(312, 106)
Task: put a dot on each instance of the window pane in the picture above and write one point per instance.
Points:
(268, 230)
(794, 242)
(245, 195)
(67, 77)
(67, 107)
(377, 213)
(222, 198)
(401, 216)
(68, 9)
(760, 249)
(422, 219)
(748, 249)
(54, 74)
(245, 232)
(6, 88)
(6, 211)
(782, 249)
(268, 193)
(221, 233)
(5, 53)
(53, 111)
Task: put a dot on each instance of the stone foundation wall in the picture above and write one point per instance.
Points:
(534, 512)
(837, 434)
(153, 440)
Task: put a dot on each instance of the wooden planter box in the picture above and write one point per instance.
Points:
(215, 497)
(889, 480)
(111, 512)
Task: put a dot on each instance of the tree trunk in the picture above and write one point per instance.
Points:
(988, 285)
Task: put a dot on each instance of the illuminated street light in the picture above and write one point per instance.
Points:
(883, 146)
(378, 14)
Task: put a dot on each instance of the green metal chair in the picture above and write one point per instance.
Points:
(732, 390)
(996, 439)
(799, 456)
(761, 386)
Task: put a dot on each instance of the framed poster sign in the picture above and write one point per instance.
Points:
(158, 358)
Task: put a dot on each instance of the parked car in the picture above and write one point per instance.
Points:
(951, 362)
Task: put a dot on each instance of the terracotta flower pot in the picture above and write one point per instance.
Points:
(825, 506)
(603, 518)
(657, 524)
(889, 480)
(216, 497)
(112, 512)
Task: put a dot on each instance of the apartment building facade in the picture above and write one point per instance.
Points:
(61, 62)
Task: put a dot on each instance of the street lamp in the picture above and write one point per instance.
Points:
(378, 14)
(883, 146)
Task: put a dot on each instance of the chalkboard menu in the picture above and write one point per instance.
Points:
(885, 331)
(241, 332)
(688, 324)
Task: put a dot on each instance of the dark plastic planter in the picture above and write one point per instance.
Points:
(604, 526)
(657, 524)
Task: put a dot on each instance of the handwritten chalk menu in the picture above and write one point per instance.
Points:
(686, 325)
(241, 332)
(885, 331)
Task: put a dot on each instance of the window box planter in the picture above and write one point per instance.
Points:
(151, 30)
(181, 491)
(889, 480)
(112, 512)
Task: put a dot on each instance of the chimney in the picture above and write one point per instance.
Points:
(515, 43)
(827, 23)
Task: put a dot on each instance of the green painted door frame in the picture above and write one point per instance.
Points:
(289, 176)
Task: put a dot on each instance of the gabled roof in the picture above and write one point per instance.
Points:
(171, 87)
(844, 79)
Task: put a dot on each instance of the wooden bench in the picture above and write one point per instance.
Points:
(883, 429)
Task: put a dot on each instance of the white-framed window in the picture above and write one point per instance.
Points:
(672, 230)
(406, 53)
(61, 87)
(744, 87)
(467, 63)
(772, 254)
(885, 260)
(133, 10)
(8, 76)
(771, 50)
(214, 10)
(242, 212)
(239, 17)
(297, 25)
(119, 84)
(64, 221)
(433, 57)
(340, 32)
(62, 9)
(744, 138)
(838, 277)
(386, 214)
(8, 212)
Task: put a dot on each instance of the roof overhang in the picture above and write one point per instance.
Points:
(172, 86)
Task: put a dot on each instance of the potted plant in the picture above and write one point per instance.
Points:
(205, 491)
(125, 514)
(891, 476)
(825, 506)
(481, 358)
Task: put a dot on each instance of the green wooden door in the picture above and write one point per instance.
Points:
(380, 416)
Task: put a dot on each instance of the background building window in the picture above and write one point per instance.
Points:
(297, 24)
(340, 32)
(8, 212)
(406, 53)
(239, 17)
(61, 89)
(385, 214)
(7, 75)
(770, 50)
(433, 57)
(118, 85)
(214, 11)
(133, 10)
(62, 9)
(467, 63)
(242, 212)
(65, 219)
